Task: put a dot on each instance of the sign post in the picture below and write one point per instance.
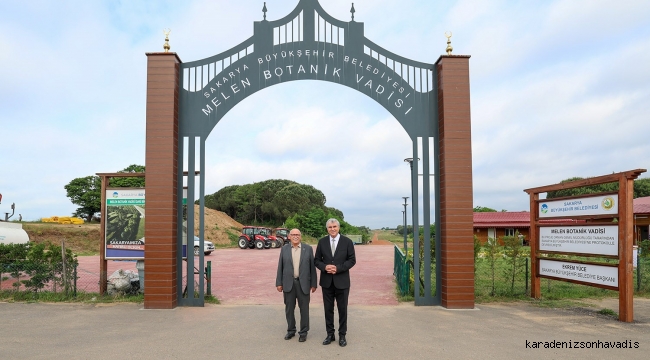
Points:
(596, 226)
(103, 264)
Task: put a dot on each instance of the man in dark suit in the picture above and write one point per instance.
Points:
(296, 276)
(334, 257)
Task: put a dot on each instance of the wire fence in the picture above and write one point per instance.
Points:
(27, 276)
(79, 276)
(501, 277)
(402, 271)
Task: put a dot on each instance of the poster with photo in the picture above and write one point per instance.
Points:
(124, 220)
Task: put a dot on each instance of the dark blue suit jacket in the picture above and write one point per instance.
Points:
(344, 259)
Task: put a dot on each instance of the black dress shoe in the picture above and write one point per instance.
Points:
(289, 336)
(342, 341)
(302, 338)
(328, 340)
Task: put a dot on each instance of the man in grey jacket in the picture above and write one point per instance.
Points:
(296, 277)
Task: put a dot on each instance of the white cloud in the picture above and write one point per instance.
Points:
(559, 89)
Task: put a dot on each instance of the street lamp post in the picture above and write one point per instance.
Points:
(410, 161)
(405, 229)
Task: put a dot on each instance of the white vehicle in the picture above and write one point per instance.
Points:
(12, 233)
(208, 246)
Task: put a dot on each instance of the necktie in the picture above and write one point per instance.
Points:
(333, 248)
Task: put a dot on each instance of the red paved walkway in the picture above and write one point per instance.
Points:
(248, 276)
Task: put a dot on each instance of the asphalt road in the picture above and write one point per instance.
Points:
(250, 324)
(495, 331)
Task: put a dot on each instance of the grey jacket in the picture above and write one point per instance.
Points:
(307, 269)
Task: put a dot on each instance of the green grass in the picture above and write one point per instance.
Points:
(392, 236)
(608, 312)
(209, 299)
(232, 237)
(402, 298)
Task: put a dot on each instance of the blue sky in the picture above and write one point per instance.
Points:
(559, 89)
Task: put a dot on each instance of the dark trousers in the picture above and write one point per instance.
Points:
(341, 296)
(290, 306)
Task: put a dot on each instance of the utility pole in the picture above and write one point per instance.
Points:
(405, 229)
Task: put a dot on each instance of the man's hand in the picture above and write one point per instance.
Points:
(313, 289)
(280, 288)
(331, 269)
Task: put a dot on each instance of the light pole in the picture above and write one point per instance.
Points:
(410, 161)
(405, 229)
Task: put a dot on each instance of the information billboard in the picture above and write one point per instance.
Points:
(590, 274)
(584, 206)
(591, 239)
(124, 220)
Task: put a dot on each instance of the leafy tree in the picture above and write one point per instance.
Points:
(268, 202)
(641, 189)
(39, 263)
(338, 214)
(644, 248)
(400, 229)
(293, 199)
(483, 209)
(275, 202)
(313, 222)
(477, 250)
(291, 223)
(512, 246)
(224, 200)
(492, 252)
(131, 182)
(85, 192)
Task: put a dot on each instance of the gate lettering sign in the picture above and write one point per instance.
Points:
(291, 49)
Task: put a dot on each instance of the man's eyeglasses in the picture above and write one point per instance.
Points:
(294, 234)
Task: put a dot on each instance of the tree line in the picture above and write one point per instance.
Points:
(641, 188)
(278, 202)
(266, 202)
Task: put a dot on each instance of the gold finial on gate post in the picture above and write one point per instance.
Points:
(166, 45)
(449, 48)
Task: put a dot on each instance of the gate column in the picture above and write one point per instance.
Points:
(455, 175)
(161, 181)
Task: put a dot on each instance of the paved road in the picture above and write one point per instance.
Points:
(250, 323)
(495, 331)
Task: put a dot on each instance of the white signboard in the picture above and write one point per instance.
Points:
(586, 206)
(597, 240)
(586, 273)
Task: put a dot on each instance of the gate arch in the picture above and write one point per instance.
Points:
(185, 101)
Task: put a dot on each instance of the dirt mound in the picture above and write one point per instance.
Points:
(84, 239)
(220, 228)
(81, 239)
